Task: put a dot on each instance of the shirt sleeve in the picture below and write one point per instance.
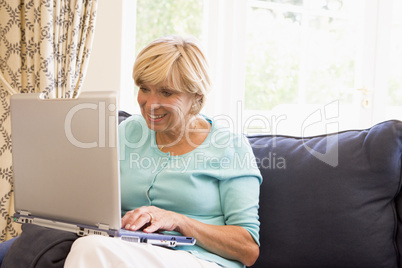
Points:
(240, 188)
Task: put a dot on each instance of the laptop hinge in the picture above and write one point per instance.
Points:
(24, 213)
(103, 226)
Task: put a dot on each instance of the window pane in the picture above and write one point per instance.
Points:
(395, 79)
(301, 58)
(164, 17)
(272, 63)
(330, 61)
(331, 5)
(293, 2)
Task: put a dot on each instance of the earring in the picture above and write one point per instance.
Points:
(193, 108)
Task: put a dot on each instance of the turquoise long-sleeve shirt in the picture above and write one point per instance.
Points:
(216, 183)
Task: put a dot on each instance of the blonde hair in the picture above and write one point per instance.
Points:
(178, 61)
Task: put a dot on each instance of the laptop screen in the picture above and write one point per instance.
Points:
(65, 157)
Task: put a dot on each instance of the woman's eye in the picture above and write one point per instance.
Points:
(166, 93)
(143, 89)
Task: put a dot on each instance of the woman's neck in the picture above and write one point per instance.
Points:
(186, 139)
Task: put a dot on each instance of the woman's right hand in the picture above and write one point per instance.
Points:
(150, 219)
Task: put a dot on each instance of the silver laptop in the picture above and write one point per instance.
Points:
(66, 166)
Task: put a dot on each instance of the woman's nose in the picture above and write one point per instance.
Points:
(153, 102)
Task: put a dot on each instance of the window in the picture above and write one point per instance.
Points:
(296, 67)
(395, 63)
(301, 56)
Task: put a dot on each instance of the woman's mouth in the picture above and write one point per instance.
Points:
(156, 118)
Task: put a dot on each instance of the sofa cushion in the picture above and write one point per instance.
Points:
(331, 200)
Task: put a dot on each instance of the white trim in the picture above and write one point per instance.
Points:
(381, 67)
(225, 37)
(128, 101)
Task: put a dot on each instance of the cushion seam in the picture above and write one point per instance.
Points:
(396, 214)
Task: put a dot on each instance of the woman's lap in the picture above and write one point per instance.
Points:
(100, 251)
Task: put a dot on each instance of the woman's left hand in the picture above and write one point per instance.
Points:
(228, 241)
(151, 219)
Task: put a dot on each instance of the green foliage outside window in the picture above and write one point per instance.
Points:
(272, 63)
(165, 17)
(288, 63)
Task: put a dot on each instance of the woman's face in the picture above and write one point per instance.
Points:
(164, 108)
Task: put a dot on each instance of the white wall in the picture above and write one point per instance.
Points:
(107, 69)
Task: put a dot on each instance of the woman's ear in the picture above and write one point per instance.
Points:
(195, 108)
(198, 98)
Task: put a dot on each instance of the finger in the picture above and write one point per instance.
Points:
(152, 228)
(136, 219)
(129, 220)
(142, 220)
(126, 219)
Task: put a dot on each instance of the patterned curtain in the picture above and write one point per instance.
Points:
(44, 47)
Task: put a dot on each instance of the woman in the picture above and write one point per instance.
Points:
(180, 172)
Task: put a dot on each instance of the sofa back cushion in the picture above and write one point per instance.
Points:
(331, 200)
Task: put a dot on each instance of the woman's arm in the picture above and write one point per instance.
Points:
(229, 241)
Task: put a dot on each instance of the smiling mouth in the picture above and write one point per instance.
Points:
(155, 117)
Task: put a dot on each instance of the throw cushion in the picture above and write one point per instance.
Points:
(39, 247)
(330, 201)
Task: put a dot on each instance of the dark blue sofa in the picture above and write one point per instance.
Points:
(332, 200)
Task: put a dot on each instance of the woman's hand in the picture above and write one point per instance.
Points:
(151, 219)
(228, 241)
